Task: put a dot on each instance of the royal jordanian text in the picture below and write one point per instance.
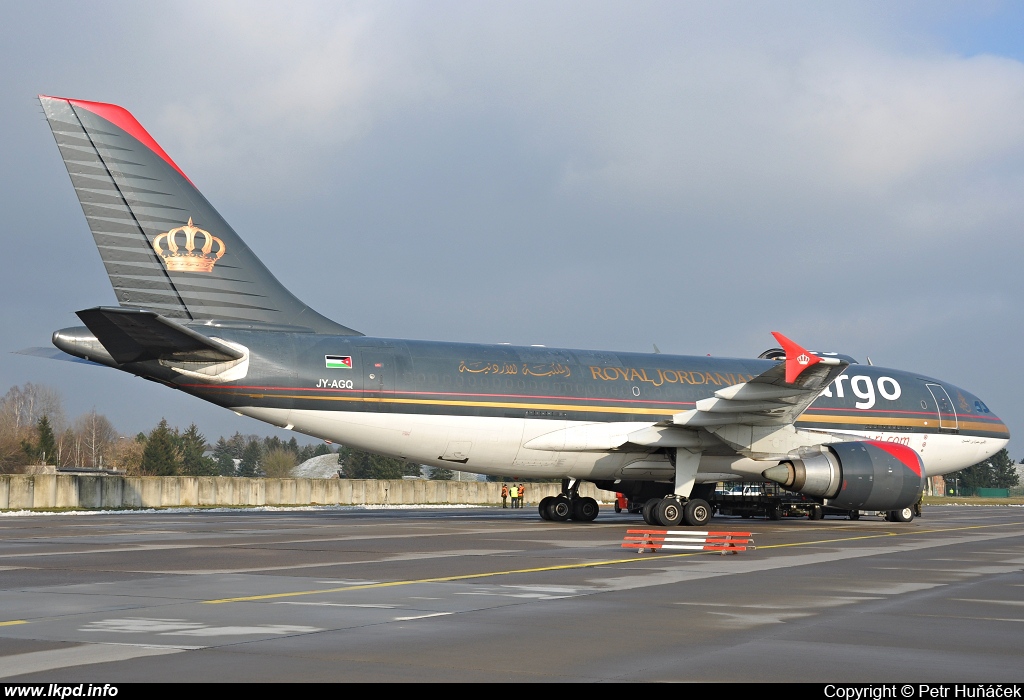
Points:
(923, 690)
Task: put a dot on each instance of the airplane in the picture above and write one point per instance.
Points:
(199, 312)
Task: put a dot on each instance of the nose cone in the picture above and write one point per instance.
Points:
(993, 431)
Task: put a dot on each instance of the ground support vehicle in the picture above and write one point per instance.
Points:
(771, 501)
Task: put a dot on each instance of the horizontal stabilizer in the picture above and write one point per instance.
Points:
(133, 335)
(54, 354)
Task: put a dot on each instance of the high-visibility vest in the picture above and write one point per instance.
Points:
(515, 492)
(504, 491)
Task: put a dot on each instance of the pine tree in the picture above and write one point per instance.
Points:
(252, 457)
(357, 464)
(224, 458)
(998, 471)
(1004, 471)
(160, 458)
(192, 445)
(47, 448)
(307, 452)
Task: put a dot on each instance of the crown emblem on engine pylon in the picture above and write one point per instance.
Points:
(179, 252)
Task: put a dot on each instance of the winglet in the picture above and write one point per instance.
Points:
(797, 359)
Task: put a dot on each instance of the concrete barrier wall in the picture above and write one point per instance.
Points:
(81, 491)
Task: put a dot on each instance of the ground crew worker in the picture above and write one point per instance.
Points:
(504, 495)
(522, 494)
(514, 493)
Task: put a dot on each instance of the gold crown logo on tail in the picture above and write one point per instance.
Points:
(185, 258)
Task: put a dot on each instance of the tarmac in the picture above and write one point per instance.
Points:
(493, 595)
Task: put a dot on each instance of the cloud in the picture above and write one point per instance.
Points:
(587, 174)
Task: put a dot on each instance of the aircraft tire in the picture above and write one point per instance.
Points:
(543, 507)
(697, 512)
(669, 512)
(817, 513)
(585, 509)
(560, 509)
(904, 515)
(650, 517)
(854, 515)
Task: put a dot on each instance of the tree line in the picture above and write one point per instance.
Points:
(996, 472)
(35, 430)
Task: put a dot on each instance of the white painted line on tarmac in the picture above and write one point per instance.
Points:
(411, 556)
(420, 617)
(84, 655)
(991, 602)
(338, 605)
(185, 628)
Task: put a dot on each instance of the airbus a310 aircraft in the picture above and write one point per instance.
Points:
(200, 313)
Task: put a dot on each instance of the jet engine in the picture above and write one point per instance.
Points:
(866, 475)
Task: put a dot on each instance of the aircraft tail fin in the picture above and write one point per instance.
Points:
(165, 248)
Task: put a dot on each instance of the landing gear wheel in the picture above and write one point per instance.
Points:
(774, 511)
(854, 515)
(669, 511)
(648, 512)
(903, 515)
(697, 512)
(543, 507)
(817, 513)
(559, 509)
(585, 509)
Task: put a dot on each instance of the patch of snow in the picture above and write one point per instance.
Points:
(321, 467)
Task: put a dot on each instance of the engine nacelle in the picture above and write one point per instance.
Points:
(866, 475)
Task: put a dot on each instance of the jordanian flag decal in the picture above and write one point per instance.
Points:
(338, 361)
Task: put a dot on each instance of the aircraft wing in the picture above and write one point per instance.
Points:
(134, 335)
(775, 397)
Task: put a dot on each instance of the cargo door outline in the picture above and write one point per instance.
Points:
(944, 407)
(379, 376)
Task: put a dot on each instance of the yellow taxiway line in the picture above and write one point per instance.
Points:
(567, 567)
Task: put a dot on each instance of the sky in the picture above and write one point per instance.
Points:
(601, 175)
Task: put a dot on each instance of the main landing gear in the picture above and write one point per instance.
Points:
(684, 504)
(672, 510)
(569, 505)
